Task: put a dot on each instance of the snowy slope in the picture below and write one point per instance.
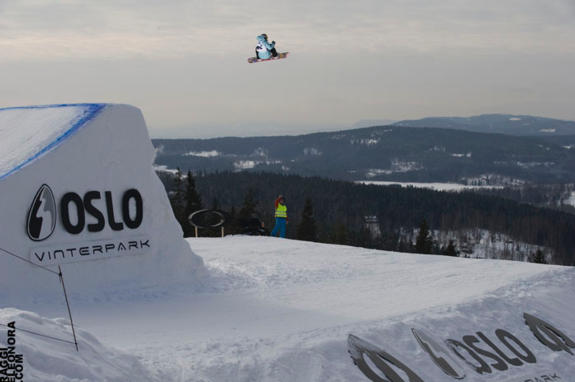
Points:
(52, 360)
(282, 310)
(29, 132)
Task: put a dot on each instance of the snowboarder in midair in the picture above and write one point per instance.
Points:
(264, 49)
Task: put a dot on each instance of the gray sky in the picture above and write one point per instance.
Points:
(183, 62)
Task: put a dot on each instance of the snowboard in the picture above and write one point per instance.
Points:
(251, 60)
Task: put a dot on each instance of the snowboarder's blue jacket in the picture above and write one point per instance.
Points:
(264, 47)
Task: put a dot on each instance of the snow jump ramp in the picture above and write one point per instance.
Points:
(78, 191)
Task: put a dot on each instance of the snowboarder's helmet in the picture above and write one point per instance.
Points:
(265, 36)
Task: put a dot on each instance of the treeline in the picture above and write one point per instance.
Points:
(555, 196)
(341, 210)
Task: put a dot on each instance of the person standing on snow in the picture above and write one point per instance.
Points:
(281, 217)
(264, 49)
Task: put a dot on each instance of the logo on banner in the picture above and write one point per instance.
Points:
(439, 354)
(91, 212)
(477, 351)
(42, 217)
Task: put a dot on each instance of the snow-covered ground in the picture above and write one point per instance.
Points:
(431, 185)
(281, 310)
(570, 201)
(50, 359)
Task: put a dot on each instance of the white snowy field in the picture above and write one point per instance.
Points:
(453, 187)
(281, 310)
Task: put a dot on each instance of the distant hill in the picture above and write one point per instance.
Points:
(372, 122)
(498, 123)
(383, 153)
(340, 211)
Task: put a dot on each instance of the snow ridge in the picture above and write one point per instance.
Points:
(78, 116)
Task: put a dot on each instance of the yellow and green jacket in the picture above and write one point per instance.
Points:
(281, 210)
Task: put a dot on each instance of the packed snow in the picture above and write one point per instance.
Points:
(281, 310)
(40, 129)
(54, 358)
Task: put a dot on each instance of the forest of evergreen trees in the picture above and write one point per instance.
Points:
(333, 211)
(542, 195)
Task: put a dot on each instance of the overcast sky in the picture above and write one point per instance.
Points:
(183, 62)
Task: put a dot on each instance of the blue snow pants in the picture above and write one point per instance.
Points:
(279, 227)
